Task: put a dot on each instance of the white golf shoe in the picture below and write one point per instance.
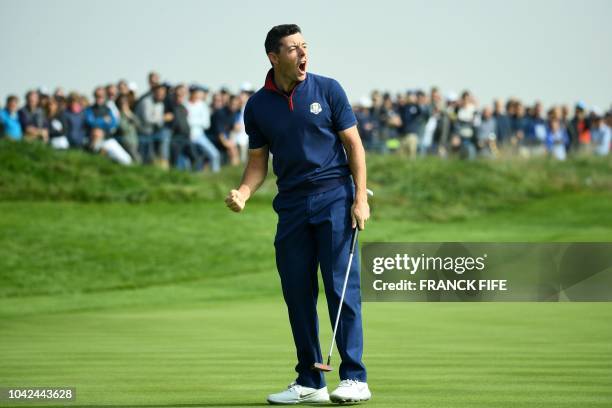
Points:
(351, 391)
(297, 394)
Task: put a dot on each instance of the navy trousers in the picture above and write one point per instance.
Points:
(313, 231)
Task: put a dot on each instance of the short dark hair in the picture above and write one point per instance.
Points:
(11, 98)
(278, 32)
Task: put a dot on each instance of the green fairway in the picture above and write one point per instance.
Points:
(175, 301)
(233, 354)
(115, 324)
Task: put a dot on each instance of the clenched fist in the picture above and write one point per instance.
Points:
(235, 201)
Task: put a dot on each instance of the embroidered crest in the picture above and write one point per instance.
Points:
(315, 108)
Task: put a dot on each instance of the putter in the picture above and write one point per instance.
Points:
(327, 367)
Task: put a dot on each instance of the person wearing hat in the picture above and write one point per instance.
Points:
(307, 123)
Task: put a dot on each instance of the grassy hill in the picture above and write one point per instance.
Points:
(431, 189)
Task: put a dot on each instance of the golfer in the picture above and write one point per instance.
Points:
(306, 122)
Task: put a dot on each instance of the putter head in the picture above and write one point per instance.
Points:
(326, 368)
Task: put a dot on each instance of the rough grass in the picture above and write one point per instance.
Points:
(433, 189)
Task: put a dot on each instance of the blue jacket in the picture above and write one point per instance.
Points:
(10, 123)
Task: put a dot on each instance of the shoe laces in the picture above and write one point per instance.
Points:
(348, 383)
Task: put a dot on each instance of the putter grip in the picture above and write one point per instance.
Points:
(354, 240)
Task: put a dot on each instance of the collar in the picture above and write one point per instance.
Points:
(271, 86)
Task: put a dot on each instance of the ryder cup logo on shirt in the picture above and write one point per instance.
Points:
(315, 108)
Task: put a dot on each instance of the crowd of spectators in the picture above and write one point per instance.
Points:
(168, 126)
(187, 128)
(417, 123)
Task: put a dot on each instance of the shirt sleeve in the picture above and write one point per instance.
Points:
(342, 112)
(256, 138)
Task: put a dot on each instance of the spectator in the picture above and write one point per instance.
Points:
(464, 129)
(60, 97)
(129, 128)
(111, 98)
(199, 120)
(100, 119)
(503, 129)
(155, 140)
(154, 81)
(446, 118)
(242, 139)
(365, 123)
(181, 145)
(220, 124)
(557, 139)
(9, 119)
(424, 127)
(32, 119)
(74, 117)
(43, 98)
(390, 124)
(237, 132)
(600, 133)
(123, 88)
(57, 126)
(409, 112)
(519, 123)
(485, 134)
(580, 136)
(535, 131)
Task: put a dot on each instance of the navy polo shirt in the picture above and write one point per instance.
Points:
(301, 131)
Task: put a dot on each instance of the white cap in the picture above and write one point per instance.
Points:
(132, 86)
(246, 87)
(452, 96)
(597, 111)
(365, 101)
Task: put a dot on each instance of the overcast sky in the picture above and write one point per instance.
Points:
(554, 51)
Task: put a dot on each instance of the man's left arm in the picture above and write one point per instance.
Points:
(360, 211)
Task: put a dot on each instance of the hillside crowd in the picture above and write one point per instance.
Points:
(188, 128)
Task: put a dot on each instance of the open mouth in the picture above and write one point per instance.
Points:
(302, 67)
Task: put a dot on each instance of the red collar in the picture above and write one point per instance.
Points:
(271, 86)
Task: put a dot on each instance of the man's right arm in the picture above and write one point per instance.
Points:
(254, 175)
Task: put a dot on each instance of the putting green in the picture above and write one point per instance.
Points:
(163, 305)
(232, 354)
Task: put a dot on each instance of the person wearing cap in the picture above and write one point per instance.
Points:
(307, 123)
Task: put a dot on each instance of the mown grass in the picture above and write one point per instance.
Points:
(140, 289)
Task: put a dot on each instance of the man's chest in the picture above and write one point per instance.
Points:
(285, 120)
